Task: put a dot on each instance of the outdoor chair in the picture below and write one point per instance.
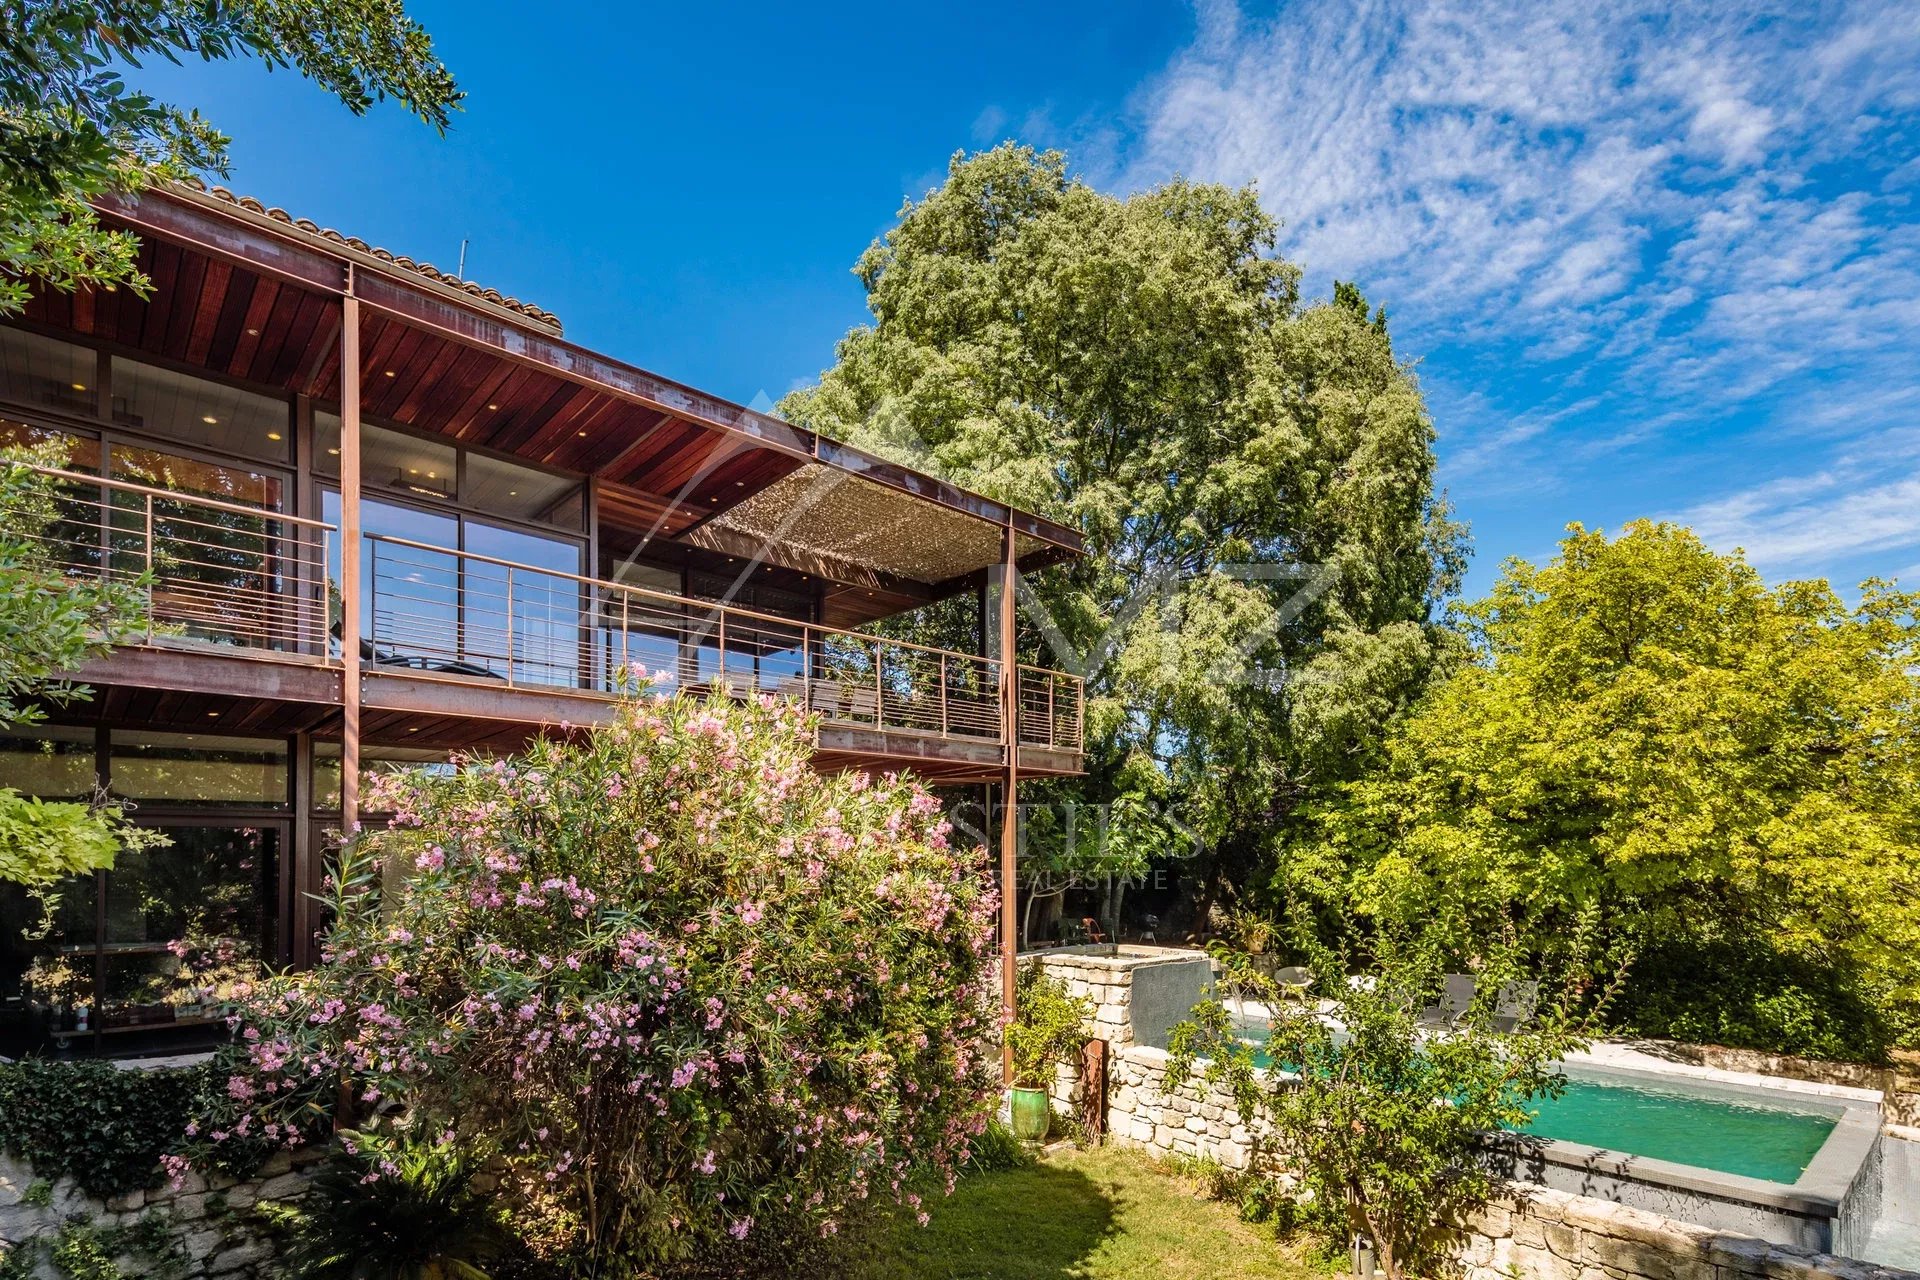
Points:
(1094, 932)
(863, 703)
(794, 688)
(1513, 1005)
(825, 699)
(1454, 1002)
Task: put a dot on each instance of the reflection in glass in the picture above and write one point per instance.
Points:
(407, 464)
(219, 575)
(178, 406)
(51, 762)
(47, 373)
(511, 491)
(199, 769)
(373, 759)
(518, 619)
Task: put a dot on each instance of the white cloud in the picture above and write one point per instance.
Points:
(1626, 226)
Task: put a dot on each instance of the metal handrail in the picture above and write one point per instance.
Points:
(257, 590)
(174, 495)
(267, 588)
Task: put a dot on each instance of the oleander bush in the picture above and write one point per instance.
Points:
(706, 1004)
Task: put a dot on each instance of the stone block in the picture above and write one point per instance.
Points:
(250, 1253)
(285, 1186)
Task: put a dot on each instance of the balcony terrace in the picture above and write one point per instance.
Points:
(464, 637)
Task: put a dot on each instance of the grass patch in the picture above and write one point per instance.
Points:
(1108, 1214)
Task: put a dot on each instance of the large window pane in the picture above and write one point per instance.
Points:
(51, 762)
(187, 920)
(373, 759)
(46, 964)
(410, 596)
(406, 464)
(177, 406)
(520, 619)
(513, 492)
(219, 575)
(199, 769)
(47, 373)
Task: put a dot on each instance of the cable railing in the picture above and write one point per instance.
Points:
(477, 617)
(239, 578)
(216, 573)
(1053, 709)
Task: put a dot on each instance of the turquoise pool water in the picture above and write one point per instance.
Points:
(1702, 1130)
(1741, 1138)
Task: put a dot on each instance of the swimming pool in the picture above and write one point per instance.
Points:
(1788, 1163)
(1749, 1138)
(1773, 1138)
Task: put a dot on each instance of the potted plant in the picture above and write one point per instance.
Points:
(1048, 1029)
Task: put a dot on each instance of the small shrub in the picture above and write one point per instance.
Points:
(1381, 1124)
(393, 1209)
(1049, 1026)
(996, 1150)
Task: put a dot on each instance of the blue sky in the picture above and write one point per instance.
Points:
(1657, 260)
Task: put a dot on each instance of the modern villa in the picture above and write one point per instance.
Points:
(388, 515)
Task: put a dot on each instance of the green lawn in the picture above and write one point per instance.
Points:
(1097, 1215)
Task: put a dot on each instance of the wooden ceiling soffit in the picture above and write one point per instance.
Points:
(448, 317)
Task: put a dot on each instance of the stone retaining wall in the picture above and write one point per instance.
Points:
(209, 1216)
(1538, 1234)
(1552, 1235)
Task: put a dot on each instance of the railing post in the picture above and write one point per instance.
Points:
(943, 694)
(1053, 732)
(151, 580)
(626, 633)
(879, 685)
(509, 626)
(720, 676)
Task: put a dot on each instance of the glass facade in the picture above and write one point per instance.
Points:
(136, 957)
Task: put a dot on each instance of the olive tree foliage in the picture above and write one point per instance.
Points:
(73, 129)
(50, 624)
(1724, 770)
(1145, 370)
(1374, 1103)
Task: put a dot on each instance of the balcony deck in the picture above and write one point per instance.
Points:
(460, 649)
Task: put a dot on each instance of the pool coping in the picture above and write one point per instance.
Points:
(1817, 1193)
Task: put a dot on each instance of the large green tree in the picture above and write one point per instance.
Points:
(73, 129)
(1727, 770)
(1144, 369)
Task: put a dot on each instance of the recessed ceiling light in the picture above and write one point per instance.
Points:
(334, 452)
(493, 406)
(739, 484)
(414, 729)
(213, 715)
(580, 433)
(273, 435)
(79, 386)
(513, 493)
(209, 419)
(389, 373)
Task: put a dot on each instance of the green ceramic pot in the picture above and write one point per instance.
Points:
(1032, 1112)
